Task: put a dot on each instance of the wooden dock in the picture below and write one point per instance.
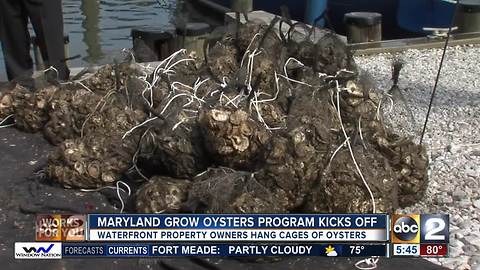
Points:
(398, 45)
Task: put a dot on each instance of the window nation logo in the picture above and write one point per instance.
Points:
(35, 250)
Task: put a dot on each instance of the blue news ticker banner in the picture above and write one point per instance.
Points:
(222, 250)
(233, 221)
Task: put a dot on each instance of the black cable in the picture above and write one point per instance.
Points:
(280, 31)
(439, 70)
(284, 19)
(267, 31)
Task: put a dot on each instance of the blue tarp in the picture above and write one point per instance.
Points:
(414, 15)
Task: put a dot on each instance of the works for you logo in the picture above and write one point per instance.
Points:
(35, 250)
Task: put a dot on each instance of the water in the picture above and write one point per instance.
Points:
(99, 30)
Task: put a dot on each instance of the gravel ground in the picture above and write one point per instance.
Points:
(452, 137)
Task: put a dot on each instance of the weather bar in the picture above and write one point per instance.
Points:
(222, 250)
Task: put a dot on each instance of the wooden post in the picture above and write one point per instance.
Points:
(363, 27)
(150, 45)
(191, 36)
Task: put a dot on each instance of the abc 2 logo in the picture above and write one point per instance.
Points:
(416, 229)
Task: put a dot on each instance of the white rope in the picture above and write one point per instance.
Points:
(172, 99)
(222, 95)
(286, 64)
(351, 151)
(149, 87)
(197, 85)
(194, 90)
(360, 131)
(51, 68)
(129, 51)
(84, 86)
(82, 78)
(104, 100)
(370, 263)
(192, 111)
(295, 81)
(248, 48)
(336, 151)
(4, 120)
(336, 74)
(167, 70)
(101, 188)
(120, 197)
(156, 77)
(117, 188)
(174, 87)
(235, 98)
(248, 79)
(276, 92)
(137, 126)
(224, 82)
(254, 102)
(171, 57)
(178, 124)
(135, 156)
(214, 92)
(6, 126)
(391, 103)
(389, 97)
